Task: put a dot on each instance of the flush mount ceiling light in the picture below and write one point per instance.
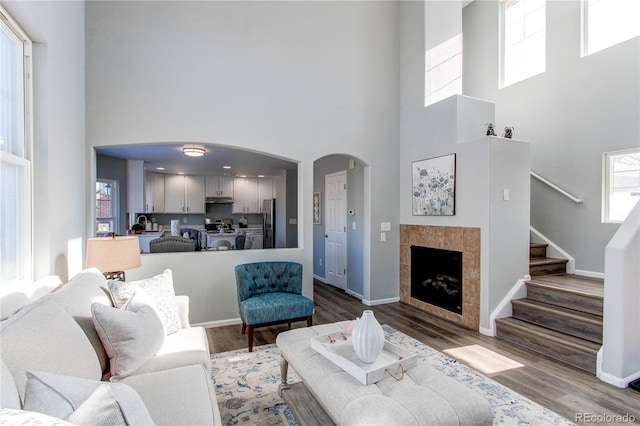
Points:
(193, 152)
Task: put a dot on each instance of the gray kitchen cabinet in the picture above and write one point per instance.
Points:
(219, 186)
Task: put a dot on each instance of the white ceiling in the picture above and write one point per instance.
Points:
(170, 156)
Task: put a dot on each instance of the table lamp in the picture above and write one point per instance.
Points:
(112, 255)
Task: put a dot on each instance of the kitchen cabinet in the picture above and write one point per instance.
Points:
(219, 186)
(155, 191)
(136, 192)
(184, 194)
(249, 193)
(245, 195)
(265, 191)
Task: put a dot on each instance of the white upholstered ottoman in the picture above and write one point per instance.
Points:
(423, 397)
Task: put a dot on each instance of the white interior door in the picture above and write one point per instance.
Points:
(335, 213)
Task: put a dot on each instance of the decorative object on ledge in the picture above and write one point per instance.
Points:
(113, 255)
(368, 337)
(434, 186)
(317, 203)
(508, 132)
(490, 130)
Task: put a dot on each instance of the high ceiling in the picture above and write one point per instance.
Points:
(170, 156)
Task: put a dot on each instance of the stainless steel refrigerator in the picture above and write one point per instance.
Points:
(269, 222)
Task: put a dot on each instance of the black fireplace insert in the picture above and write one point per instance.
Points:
(436, 277)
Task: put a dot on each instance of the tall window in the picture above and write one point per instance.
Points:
(106, 206)
(15, 151)
(523, 39)
(608, 22)
(621, 189)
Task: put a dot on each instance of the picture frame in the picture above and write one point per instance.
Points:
(434, 186)
(317, 208)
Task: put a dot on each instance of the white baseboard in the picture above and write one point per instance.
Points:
(503, 310)
(354, 294)
(488, 331)
(589, 274)
(319, 278)
(220, 323)
(620, 382)
(553, 250)
(380, 301)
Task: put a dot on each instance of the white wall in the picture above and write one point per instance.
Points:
(296, 79)
(484, 168)
(620, 356)
(571, 114)
(57, 29)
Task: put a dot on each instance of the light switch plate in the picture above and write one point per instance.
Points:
(385, 226)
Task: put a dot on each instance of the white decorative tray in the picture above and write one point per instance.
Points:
(338, 348)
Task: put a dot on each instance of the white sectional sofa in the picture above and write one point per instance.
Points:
(56, 341)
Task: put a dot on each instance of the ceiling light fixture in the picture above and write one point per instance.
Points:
(193, 152)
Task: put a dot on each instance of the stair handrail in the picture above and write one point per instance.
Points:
(556, 187)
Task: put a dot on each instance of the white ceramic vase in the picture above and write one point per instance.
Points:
(367, 337)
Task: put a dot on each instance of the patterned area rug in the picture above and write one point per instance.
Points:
(247, 386)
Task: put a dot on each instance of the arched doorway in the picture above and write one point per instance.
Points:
(343, 267)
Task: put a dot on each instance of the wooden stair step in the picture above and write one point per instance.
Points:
(537, 250)
(571, 350)
(575, 323)
(570, 291)
(547, 266)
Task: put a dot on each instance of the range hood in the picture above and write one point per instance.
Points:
(219, 200)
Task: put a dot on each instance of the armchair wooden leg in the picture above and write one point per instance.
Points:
(250, 338)
(309, 321)
(244, 327)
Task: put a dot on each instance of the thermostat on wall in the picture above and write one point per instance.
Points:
(352, 212)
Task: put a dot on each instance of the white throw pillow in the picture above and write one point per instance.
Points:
(11, 416)
(160, 289)
(131, 335)
(84, 401)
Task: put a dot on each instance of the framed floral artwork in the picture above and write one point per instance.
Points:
(317, 204)
(434, 186)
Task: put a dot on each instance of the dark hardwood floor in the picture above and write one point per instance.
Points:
(570, 392)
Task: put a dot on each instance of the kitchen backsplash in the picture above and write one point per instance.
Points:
(215, 211)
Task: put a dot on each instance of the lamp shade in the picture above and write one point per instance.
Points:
(111, 254)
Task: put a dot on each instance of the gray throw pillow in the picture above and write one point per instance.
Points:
(131, 336)
(84, 401)
(160, 289)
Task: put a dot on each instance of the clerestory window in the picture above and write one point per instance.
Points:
(608, 22)
(523, 40)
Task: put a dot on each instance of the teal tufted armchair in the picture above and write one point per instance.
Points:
(270, 293)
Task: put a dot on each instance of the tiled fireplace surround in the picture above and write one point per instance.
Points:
(465, 240)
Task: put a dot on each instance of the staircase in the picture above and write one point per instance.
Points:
(561, 317)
